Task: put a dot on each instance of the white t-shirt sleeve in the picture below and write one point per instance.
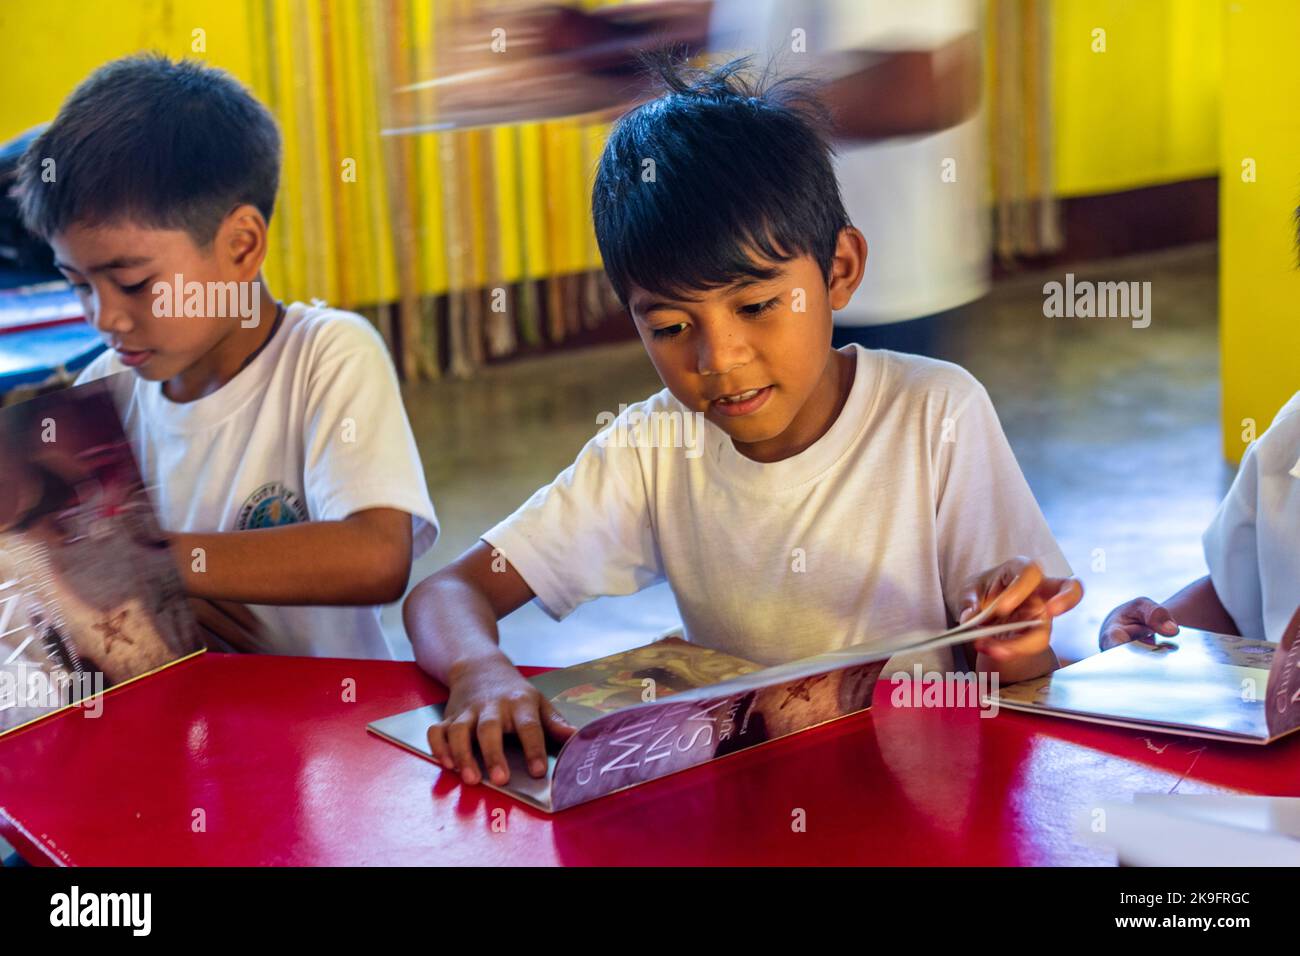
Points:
(1232, 551)
(359, 452)
(585, 535)
(985, 513)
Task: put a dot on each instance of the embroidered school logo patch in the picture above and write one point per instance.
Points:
(270, 506)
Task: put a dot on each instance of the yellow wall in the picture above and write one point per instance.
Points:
(1146, 110)
(49, 46)
(1259, 285)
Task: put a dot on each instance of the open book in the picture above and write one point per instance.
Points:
(668, 706)
(89, 596)
(1196, 683)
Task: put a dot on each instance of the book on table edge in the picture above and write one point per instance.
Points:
(1196, 684)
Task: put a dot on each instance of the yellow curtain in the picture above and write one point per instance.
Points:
(454, 242)
(1026, 215)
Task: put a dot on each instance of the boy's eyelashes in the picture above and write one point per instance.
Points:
(669, 331)
(83, 288)
(758, 308)
(753, 309)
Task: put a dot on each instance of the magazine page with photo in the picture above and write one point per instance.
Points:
(89, 596)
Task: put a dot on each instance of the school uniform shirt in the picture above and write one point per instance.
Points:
(1251, 545)
(312, 430)
(867, 534)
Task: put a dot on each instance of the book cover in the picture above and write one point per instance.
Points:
(89, 596)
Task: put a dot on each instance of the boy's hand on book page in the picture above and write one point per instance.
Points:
(1018, 591)
(489, 700)
(1137, 620)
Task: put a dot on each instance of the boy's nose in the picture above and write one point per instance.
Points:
(720, 351)
(108, 318)
(105, 315)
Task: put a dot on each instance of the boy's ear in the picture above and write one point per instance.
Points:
(848, 266)
(241, 240)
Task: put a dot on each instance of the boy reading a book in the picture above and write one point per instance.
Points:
(1253, 587)
(273, 436)
(833, 497)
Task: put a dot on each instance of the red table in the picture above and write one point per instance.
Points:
(284, 772)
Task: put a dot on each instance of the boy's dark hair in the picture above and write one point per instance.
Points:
(171, 145)
(742, 172)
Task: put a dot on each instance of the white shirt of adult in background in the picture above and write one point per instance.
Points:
(928, 240)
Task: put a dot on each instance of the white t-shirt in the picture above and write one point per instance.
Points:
(1251, 545)
(312, 430)
(921, 201)
(867, 534)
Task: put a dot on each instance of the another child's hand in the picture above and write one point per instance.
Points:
(229, 627)
(1019, 592)
(1136, 620)
(487, 702)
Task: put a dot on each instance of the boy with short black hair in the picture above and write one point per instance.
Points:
(273, 435)
(839, 496)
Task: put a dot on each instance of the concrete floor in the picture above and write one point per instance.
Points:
(1116, 430)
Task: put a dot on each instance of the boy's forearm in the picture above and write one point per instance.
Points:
(452, 626)
(357, 561)
(1198, 606)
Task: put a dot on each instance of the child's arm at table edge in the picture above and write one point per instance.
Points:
(362, 559)
(1197, 606)
(451, 618)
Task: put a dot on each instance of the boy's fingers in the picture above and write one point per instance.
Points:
(438, 746)
(556, 725)
(1069, 594)
(462, 749)
(1022, 579)
(976, 590)
(1114, 636)
(490, 742)
(531, 736)
(1121, 633)
(1157, 617)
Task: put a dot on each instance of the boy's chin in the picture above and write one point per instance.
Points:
(751, 428)
(155, 370)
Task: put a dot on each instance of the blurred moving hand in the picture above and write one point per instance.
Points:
(513, 65)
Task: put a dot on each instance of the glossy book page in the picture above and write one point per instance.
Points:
(1197, 683)
(89, 596)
